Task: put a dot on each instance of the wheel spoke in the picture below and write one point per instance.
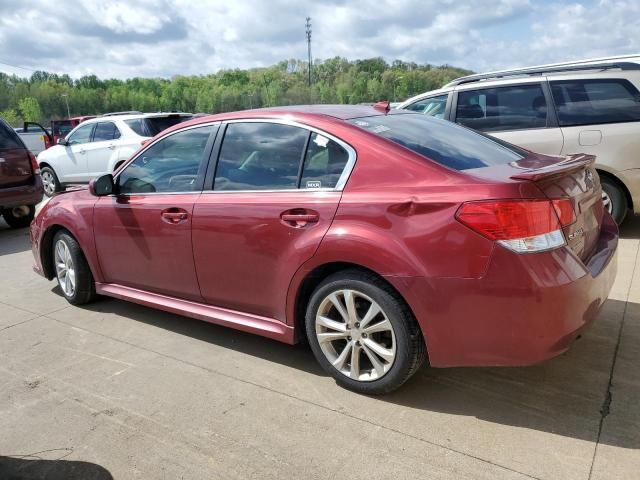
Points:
(72, 278)
(331, 324)
(354, 372)
(333, 298)
(331, 337)
(382, 352)
(67, 286)
(382, 326)
(374, 360)
(373, 311)
(344, 355)
(350, 302)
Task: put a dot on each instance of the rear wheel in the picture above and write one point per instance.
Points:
(614, 199)
(72, 270)
(19, 217)
(363, 334)
(50, 181)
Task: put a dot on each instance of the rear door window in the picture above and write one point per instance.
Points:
(325, 160)
(515, 107)
(105, 131)
(589, 102)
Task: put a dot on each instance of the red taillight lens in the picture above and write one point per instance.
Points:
(514, 219)
(34, 164)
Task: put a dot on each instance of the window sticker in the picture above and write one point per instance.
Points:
(314, 184)
(380, 129)
(360, 123)
(321, 141)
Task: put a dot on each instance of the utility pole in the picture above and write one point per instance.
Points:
(308, 32)
(65, 96)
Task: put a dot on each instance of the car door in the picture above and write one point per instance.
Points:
(519, 113)
(143, 231)
(275, 192)
(103, 147)
(71, 165)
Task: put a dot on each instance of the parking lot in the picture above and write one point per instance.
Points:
(117, 390)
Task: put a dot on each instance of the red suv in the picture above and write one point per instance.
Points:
(20, 183)
(382, 238)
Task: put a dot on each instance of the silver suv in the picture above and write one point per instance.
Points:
(591, 106)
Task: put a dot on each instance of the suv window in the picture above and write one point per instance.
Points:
(443, 142)
(324, 163)
(105, 131)
(502, 108)
(173, 164)
(151, 126)
(585, 102)
(260, 156)
(433, 106)
(81, 135)
(8, 138)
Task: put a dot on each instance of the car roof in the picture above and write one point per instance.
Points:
(135, 116)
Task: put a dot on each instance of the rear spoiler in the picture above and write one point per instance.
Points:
(570, 164)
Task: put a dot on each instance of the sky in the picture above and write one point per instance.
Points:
(163, 38)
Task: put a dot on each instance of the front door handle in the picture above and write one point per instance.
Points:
(299, 217)
(82, 150)
(174, 215)
(111, 147)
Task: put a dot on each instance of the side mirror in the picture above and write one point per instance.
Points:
(102, 185)
(63, 142)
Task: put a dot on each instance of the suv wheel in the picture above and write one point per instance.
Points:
(49, 181)
(614, 199)
(363, 334)
(19, 217)
(72, 270)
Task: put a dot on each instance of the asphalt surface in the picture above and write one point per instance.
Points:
(115, 390)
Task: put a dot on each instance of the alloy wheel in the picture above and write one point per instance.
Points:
(65, 269)
(606, 200)
(355, 335)
(48, 182)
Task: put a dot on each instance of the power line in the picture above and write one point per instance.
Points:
(17, 66)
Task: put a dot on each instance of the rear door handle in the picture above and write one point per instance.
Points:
(299, 217)
(174, 215)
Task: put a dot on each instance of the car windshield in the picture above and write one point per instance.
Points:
(439, 140)
(151, 126)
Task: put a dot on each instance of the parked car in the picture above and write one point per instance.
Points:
(379, 237)
(100, 145)
(20, 183)
(35, 139)
(591, 106)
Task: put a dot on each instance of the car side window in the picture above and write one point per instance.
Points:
(81, 135)
(514, 107)
(260, 156)
(324, 163)
(433, 106)
(173, 164)
(589, 102)
(105, 131)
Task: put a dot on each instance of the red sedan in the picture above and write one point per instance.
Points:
(382, 238)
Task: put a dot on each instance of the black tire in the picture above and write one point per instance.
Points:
(410, 346)
(618, 200)
(117, 165)
(85, 287)
(19, 217)
(50, 181)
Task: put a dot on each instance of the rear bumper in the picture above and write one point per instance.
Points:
(30, 194)
(524, 310)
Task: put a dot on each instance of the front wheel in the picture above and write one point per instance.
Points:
(363, 334)
(72, 270)
(19, 217)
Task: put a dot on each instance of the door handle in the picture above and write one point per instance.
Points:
(111, 147)
(299, 217)
(82, 150)
(174, 215)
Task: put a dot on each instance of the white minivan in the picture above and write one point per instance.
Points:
(99, 146)
(591, 106)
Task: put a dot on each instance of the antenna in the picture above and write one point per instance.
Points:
(308, 32)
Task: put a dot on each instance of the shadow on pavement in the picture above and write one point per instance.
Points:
(13, 240)
(630, 228)
(30, 467)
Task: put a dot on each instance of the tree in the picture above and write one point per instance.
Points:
(10, 116)
(30, 109)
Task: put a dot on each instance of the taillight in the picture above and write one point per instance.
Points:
(34, 164)
(519, 225)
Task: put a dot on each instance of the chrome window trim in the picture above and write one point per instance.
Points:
(346, 172)
(148, 146)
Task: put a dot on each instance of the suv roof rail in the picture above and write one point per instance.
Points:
(130, 112)
(593, 64)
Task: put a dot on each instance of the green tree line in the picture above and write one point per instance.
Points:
(44, 95)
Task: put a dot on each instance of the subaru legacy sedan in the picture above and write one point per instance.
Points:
(383, 238)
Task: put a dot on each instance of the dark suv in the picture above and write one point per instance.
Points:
(20, 183)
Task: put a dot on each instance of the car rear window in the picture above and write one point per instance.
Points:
(8, 138)
(150, 127)
(441, 141)
(589, 102)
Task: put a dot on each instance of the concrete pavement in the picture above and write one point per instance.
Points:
(116, 390)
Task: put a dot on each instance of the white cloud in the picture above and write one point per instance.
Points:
(165, 38)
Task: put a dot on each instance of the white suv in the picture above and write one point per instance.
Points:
(592, 106)
(99, 146)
